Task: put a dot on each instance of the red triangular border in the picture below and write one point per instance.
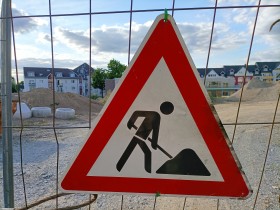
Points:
(163, 40)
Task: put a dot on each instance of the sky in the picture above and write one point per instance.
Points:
(110, 32)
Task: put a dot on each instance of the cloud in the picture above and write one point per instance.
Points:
(44, 38)
(197, 36)
(114, 39)
(106, 39)
(272, 54)
(46, 62)
(237, 2)
(117, 36)
(266, 17)
(74, 39)
(27, 24)
(242, 16)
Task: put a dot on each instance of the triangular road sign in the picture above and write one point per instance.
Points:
(158, 132)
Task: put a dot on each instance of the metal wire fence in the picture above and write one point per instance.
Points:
(24, 130)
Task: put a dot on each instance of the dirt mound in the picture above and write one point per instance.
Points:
(44, 97)
(256, 91)
(255, 83)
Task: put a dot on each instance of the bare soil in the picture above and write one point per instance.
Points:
(257, 90)
(44, 97)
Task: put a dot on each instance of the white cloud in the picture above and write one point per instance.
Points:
(30, 51)
(242, 16)
(272, 54)
(72, 38)
(114, 39)
(237, 2)
(27, 24)
(44, 38)
(266, 17)
(232, 31)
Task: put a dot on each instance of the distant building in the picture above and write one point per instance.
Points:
(276, 73)
(266, 70)
(218, 81)
(61, 79)
(84, 72)
(228, 79)
(110, 84)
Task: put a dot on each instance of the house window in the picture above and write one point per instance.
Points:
(256, 71)
(225, 93)
(31, 74)
(73, 88)
(32, 84)
(72, 81)
(231, 72)
(72, 75)
(214, 84)
(32, 81)
(59, 74)
(265, 68)
(240, 79)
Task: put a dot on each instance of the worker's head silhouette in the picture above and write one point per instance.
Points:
(166, 107)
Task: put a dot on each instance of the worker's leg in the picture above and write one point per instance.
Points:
(148, 155)
(129, 150)
(127, 153)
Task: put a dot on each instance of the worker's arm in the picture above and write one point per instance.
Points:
(132, 119)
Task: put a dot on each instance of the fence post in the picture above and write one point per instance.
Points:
(6, 96)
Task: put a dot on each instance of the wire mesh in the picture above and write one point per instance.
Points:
(131, 12)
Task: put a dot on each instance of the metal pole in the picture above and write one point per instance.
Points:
(6, 96)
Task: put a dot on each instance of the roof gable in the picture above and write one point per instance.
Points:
(267, 66)
(242, 71)
(83, 70)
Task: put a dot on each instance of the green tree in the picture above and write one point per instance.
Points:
(14, 86)
(98, 79)
(115, 69)
(21, 85)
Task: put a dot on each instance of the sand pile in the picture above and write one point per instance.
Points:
(44, 97)
(256, 91)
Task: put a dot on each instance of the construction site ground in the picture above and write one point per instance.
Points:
(39, 152)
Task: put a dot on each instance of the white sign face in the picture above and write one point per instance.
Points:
(177, 132)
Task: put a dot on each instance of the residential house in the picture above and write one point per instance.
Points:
(224, 81)
(218, 82)
(238, 72)
(84, 73)
(268, 71)
(61, 79)
(276, 73)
